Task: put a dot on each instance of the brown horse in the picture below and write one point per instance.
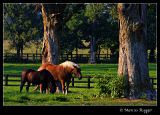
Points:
(43, 77)
(63, 73)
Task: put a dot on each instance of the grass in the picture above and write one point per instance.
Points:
(87, 69)
(76, 96)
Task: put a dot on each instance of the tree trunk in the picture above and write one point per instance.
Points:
(21, 49)
(133, 62)
(99, 52)
(18, 52)
(92, 51)
(152, 55)
(77, 51)
(50, 50)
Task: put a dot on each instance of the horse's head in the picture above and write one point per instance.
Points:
(77, 72)
(72, 68)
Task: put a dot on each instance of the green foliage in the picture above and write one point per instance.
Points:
(113, 11)
(21, 25)
(110, 86)
(93, 11)
(103, 85)
(117, 87)
(151, 26)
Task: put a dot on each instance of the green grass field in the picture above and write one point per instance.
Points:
(87, 69)
(76, 96)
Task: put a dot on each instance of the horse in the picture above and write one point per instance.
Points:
(63, 73)
(43, 77)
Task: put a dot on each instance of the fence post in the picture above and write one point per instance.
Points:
(152, 82)
(27, 58)
(6, 57)
(72, 81)
(88, 81)
(40, 57)
(33, 58)
(67, 56)
(71, 56)
(6, 80)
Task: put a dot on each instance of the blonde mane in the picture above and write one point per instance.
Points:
(69, 64)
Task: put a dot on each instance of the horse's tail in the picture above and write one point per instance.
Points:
(25, 73)
(23, 79)
(52, 83)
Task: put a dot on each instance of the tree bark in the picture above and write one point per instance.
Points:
(133, 62)
(93, 44)
(92, 50)
(50, 50)
(152, 55)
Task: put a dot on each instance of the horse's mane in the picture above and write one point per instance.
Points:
(69, 64)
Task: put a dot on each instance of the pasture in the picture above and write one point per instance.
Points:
(76, 96)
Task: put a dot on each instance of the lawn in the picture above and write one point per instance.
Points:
(87, 69)
(76, 96)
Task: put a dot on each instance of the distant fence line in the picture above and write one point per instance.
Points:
(80, 58)
(87, 81)
(33, 57)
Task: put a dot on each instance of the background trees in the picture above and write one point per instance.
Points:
(80, 23)
(21, 25)
(151, 33)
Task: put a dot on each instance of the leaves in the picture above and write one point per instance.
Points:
(20, 24)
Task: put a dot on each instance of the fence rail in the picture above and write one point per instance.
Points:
(35, 57)
(87, 82)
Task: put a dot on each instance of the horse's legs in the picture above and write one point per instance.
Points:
(21, 86)
(44, 87)
(52, 86)
(36, 88)
(63, 86)
(47, 88)
(58, 86)
(27, 87)
(67, 86)
(41, 86)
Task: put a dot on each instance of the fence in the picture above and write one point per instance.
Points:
(80, 58)
(87, 80)
(33, 58)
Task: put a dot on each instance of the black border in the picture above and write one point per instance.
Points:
(79, 109)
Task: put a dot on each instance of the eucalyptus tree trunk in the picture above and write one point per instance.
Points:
(133, 62)
(92, 50)
(93, 44)
(50, 50)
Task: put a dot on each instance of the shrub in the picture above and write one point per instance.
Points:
(110, 86)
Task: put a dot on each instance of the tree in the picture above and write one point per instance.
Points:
(151, 33)
(54, 17)
(93, 12)
(71, 37)
(20, 25)
(133, 63)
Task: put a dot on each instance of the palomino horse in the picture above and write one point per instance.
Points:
(43, 77)
(63, 73)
